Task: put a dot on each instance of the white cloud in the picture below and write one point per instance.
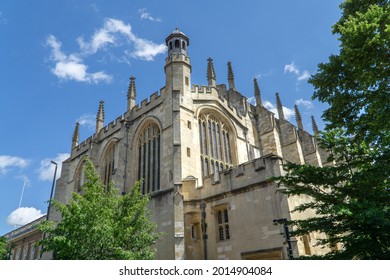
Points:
(147, 50)
(7, 162)
(288, 113)
(88, 121)
(23, 215)
(145, 15)
(71, 67)
(46, 170)
(292, 68)
(25, 179)
(305, 75)
(109, 35)
(305, 103)
(114, 33)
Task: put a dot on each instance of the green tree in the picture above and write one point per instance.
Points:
(355, 83)
(3, 248)
(100, 224)
(352, 197)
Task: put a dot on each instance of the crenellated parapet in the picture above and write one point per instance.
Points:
(112, 126)
(200, 89)
(147, 104)
(83, 147)
(255, 173)
(205, 93)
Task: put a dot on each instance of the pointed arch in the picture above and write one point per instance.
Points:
(147, 144)
(217, 137)
(108, 161)
(79, 175)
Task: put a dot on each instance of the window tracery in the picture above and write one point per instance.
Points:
(149, 146)
(79, 176)
(108, 165)
(215, 144)
(223, 224)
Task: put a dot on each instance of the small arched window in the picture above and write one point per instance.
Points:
(177, 44)
(79, 176)
(223, 223)
(170, 45)
(183, 45)
(108, 165)
(149, 147)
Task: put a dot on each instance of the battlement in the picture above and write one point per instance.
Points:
(148, 103)
(251, 173)
(83, 146)
(209, 93)
(200, 89)
(112, 125)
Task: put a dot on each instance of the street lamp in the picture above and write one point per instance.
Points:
(204, 233)
(51, 198)
(283, 222)
(52, 189)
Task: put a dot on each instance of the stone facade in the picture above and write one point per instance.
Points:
(205, 155)
(24, 241)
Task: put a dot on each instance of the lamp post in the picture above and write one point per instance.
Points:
(204, 233)
(52, 189)
(283, 222)
(51, 197)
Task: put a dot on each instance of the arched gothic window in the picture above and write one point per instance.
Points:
(79, 176)
(108, 165)
(177, 44)
(148, 149)
(215, 144)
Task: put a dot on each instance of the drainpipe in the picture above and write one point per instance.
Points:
(127, 125)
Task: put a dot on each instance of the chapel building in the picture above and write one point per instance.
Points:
(205, 156)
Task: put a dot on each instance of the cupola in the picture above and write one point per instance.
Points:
(177, 42)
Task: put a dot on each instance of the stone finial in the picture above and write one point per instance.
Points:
(298, 117)
(211, 73)
(314, 125)
(100, 117)
(230, 75)
(76, 135)
(279, 106)
(257, 92)
(131, 94)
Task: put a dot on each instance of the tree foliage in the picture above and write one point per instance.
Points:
(3, 248)
(100, 224)
(355, 83)
(352, 197)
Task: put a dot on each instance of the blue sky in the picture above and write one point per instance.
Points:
(58, 59)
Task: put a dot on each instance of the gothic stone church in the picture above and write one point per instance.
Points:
(204, 154)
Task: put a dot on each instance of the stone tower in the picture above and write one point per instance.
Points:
(177, 64)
